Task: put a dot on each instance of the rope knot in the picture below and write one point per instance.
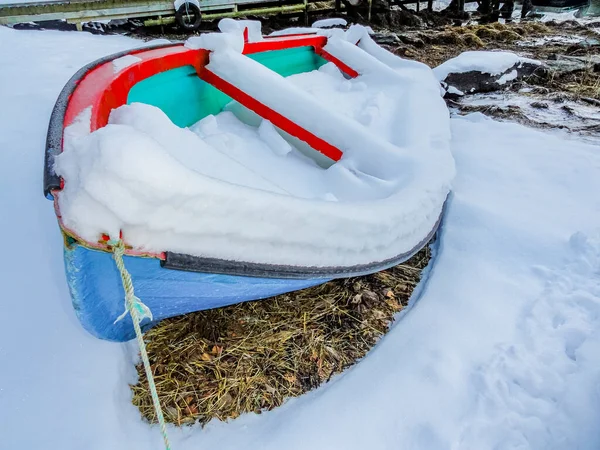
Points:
(133, 304)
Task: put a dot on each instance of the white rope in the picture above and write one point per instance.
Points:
(138, 312)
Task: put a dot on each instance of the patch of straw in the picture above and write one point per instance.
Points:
(252, 356)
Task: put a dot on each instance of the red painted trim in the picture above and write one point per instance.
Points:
(284, 42)
(271, 115)
(343, 67)
(104, 90)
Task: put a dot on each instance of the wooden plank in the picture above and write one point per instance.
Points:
(233, 14)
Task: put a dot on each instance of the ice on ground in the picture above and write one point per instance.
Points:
(326, 23)
(559, 16)
(389, 186)
(124, 61)
(493, 63)
(453, 90)
(545, 40)
(568, 118)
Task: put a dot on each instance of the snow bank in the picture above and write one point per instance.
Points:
(254, 28)
(70, 387)
(507, 77)
(178, 3)
(501, 348)
(327, 23)
(295, 30)
(389, 186)
(494, 63)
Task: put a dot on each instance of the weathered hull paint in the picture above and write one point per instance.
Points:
(99, 299)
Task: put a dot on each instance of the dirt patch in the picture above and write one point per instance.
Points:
(252, 356)
(582, 83)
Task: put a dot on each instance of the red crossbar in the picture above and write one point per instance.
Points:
(271, 115)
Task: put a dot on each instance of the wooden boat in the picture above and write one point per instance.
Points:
(168, 283)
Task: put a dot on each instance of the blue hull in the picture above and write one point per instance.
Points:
(98, 296)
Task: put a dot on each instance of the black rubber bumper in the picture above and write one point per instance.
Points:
(178, 261)
(57, 118)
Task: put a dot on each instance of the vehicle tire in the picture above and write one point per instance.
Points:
(188, 17)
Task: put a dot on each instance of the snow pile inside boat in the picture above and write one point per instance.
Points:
(234, 188)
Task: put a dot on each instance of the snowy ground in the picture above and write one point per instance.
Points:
(542, 111)
(501, 348)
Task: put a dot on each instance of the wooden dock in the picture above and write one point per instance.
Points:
(156, 12)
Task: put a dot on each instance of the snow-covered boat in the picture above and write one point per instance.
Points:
(268, 243)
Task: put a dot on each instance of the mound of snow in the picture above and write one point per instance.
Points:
(295, 30)
(481, 71)
(245, 191)
(327, 23)
(493, 63)
(501, 348)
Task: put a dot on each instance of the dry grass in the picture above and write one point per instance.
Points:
(472, 40)
(583, 83)
(252, 356)
(508, 36)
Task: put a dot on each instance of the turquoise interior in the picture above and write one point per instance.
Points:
(185, 98)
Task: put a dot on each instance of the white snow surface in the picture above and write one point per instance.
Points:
(326, 23)
(500, 348)
(177, 3)
(124, 61)
(243, 191)
(453, 90)
(493, 63)
(233, 41)
(559, 16)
